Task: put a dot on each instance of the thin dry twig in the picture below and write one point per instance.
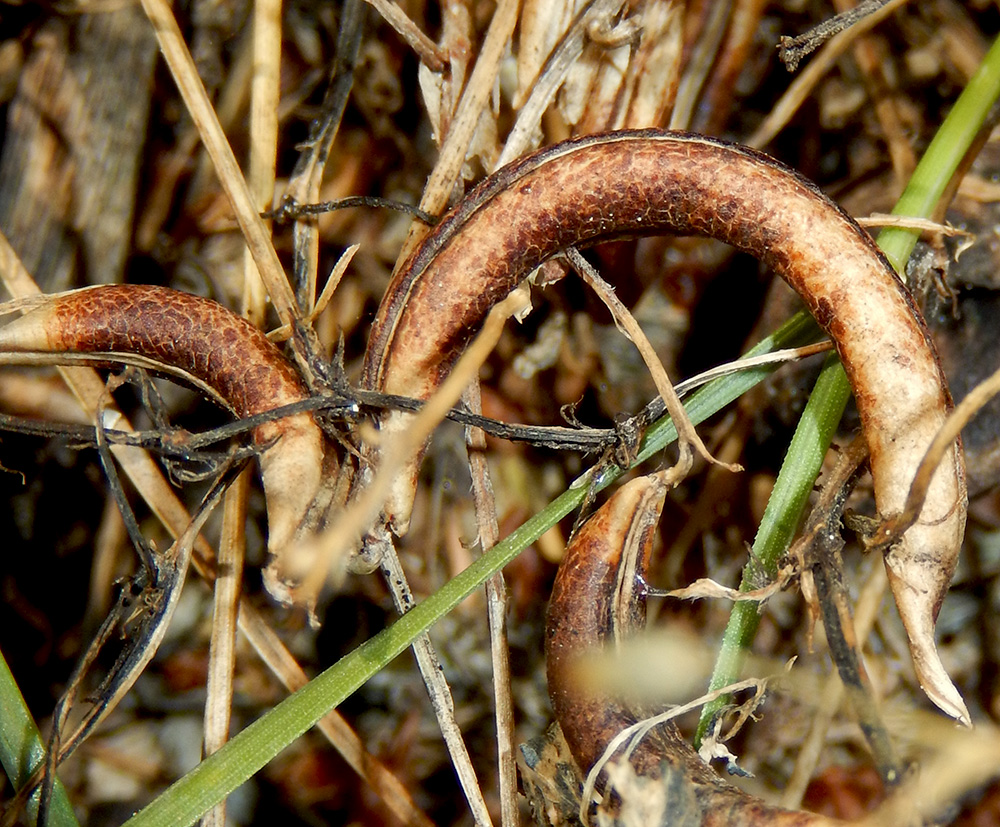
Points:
(687, 435)
(793, 49)
(496, 602)
(821, 565)
(775, 357)
(263, 134)
(801, 88)
(924, 225)
(307, 177)
(808, 755)
(222, 641)
(283, 333)
(425, 48)
(438, 690)
(894, 526)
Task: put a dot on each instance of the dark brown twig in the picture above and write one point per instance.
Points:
(792, 50)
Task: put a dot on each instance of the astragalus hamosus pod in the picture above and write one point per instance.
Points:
(646, 182)
(206, 344)
(598, 603)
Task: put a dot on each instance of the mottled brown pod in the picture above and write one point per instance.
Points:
(644, 182)
(592, 607)
(200, 339)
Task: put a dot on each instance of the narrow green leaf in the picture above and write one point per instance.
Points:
(22, 749)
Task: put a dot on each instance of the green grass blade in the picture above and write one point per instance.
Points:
(22, 749)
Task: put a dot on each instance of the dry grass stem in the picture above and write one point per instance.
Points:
(477, 92)
(182, 67)
(687, 435)
(497, 607)
(264, 99)
(425, 48)
(557, 66)
(699, 64)
(774, 358)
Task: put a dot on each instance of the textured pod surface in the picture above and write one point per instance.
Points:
(586, 613)
(202, 338)
(645, 182)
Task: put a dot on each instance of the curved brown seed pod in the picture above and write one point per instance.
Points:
(643, 182)
(203, 339)
(587, 613)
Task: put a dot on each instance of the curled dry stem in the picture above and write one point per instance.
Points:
(687, 434)
(631, 737)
